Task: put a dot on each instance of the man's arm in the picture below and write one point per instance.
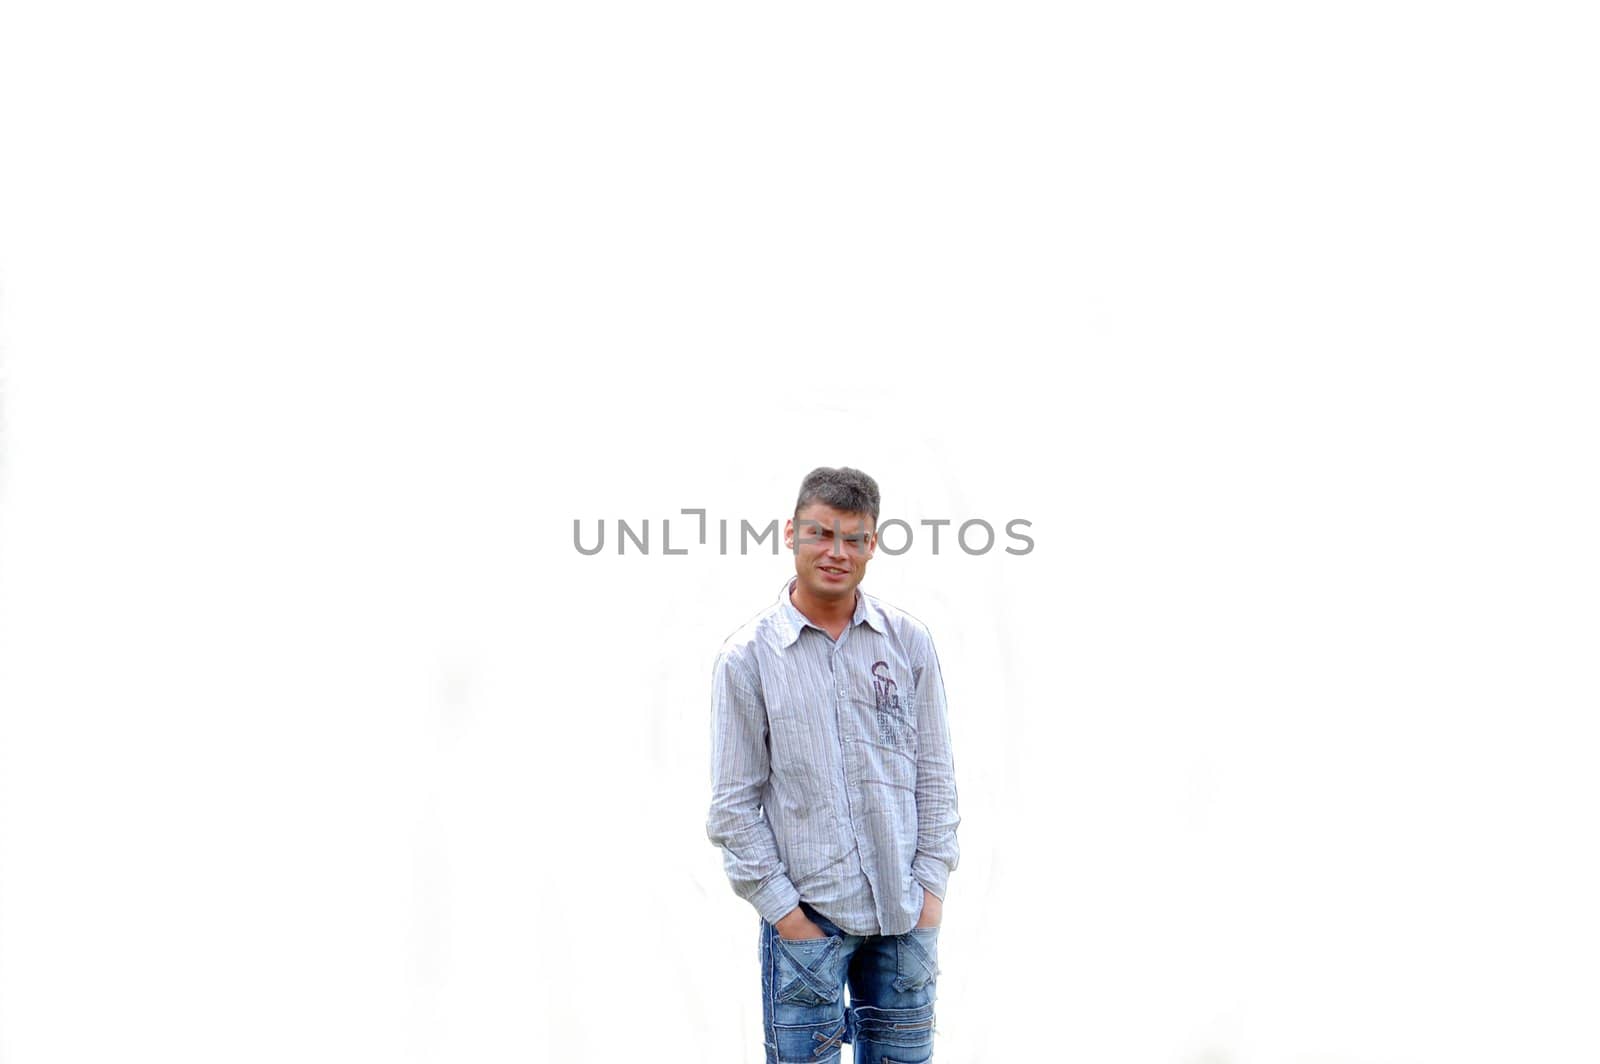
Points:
(739, 768)
(937, 815)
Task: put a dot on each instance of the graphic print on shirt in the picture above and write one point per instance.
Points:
(893, 727)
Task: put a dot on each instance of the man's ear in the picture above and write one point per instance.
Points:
(788, 533)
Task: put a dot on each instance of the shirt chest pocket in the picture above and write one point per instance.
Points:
(886, 752)
(889, 709)
(803, 739)
(896, 725)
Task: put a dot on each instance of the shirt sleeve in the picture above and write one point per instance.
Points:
(937, 814)
(739, 766)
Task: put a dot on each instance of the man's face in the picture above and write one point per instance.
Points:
(831, 549)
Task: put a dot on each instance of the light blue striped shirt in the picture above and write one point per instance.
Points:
(832, 778)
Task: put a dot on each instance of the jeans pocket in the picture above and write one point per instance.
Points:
(901, 1036)
(809, 972)
(814, 1043)
(916, 958)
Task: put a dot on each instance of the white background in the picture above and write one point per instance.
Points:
(321, 323)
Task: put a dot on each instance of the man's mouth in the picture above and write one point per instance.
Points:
(831, 569)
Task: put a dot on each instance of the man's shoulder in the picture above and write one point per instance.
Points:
(899, 622)
(741, 646)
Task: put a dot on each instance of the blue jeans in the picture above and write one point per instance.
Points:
(889, 1017)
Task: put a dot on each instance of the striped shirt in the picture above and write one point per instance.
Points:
(831, 773)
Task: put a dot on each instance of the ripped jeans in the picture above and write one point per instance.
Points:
(889, 1017)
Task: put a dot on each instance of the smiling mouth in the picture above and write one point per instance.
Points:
(831, 569)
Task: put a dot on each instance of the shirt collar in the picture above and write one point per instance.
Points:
(791, 621)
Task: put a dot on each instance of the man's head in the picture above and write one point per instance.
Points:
(833, 532)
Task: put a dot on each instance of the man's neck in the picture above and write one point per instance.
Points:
(831, 615)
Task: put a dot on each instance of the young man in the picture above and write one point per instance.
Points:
(833, 793)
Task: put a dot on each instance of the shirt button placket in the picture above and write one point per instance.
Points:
(855, 771)
(848, 748)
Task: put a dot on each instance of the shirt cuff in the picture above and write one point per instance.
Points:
(775, 899)
(934, 875)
